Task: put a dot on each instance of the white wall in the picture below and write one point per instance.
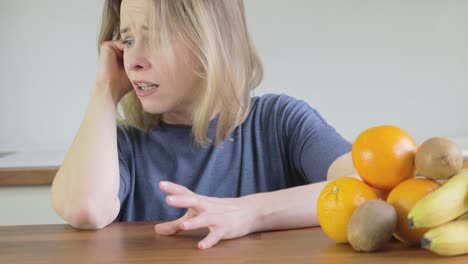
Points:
(364, 63)
(360, 63)
(48, 62)
(27, 206)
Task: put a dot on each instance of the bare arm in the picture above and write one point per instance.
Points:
(85, 189)
(229, 218)
(296, 207)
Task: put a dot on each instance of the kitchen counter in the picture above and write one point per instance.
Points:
(36, 167)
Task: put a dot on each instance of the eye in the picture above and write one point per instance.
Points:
(128, 43)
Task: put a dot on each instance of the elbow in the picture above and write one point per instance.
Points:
(84, 210)
(87, 215)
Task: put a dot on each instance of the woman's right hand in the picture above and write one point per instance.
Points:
(111, 72)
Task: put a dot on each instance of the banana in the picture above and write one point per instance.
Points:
(445, 204)
(463, 217)
(449, 239)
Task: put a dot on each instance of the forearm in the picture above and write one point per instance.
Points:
(296, 207)
(286, 209)
(84, 191)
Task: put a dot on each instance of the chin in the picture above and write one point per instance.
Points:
(155, 109)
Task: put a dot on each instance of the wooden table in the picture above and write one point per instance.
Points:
(137, 243)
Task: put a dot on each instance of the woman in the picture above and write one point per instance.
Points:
(189, 134)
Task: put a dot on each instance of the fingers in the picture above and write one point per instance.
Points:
(119, 45)
(176, 226)
(172, 188)
(110, 50)
(186, 201)
(169, 228)
(211, 239)
(198, 222)
(181, 197)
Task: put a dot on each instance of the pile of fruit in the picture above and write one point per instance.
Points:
(419, 195)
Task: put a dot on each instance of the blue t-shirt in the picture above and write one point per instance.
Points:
(283, 143)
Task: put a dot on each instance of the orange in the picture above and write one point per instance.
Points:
(403, 198)
(384, 156)
(382, 194)
(337, 202)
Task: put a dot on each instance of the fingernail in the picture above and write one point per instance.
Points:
(202, 245)
(163, 183)
(171, 198)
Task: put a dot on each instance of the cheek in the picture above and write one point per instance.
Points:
(187, 73)
(188, 81)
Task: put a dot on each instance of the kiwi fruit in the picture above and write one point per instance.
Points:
(438, 158)
(371, 225)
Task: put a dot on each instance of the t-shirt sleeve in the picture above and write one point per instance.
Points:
(124, 150)
(311, 142)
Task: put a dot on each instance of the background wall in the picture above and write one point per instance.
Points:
(360, 63)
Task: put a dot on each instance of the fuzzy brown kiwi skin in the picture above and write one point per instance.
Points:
(371, 226)
(438, 158)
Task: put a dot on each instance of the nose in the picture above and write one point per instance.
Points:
(136, 61)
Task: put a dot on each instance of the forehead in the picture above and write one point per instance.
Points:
(134, 11)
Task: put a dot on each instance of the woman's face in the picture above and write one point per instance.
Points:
(160, 92)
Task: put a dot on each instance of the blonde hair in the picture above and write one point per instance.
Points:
(215, 31)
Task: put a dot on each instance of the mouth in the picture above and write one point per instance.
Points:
(145, 86)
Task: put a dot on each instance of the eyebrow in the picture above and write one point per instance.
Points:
(125, 30)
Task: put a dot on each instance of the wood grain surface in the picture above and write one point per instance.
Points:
(27, 176)
(138, 243)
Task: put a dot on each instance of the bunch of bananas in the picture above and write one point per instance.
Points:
(445, 211)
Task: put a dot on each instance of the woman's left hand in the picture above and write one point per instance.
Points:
(226, 218)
